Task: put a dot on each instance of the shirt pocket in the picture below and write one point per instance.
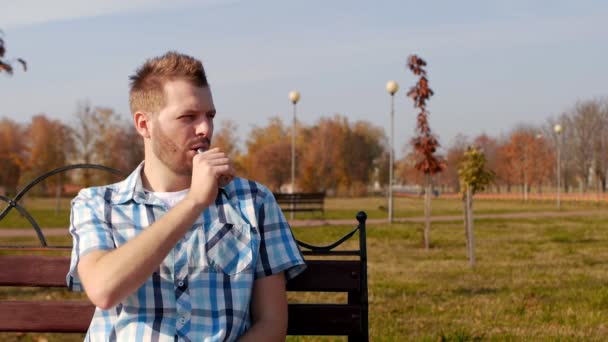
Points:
(230, 247)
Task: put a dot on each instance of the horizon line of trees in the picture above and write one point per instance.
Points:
(335, 155)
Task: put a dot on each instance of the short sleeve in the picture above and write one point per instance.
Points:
(278, 249)
(90, 230)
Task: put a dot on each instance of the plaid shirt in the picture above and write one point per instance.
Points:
(202, 290)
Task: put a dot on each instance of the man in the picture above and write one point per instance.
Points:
(170, 253)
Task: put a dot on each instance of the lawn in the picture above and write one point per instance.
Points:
(536, 279)
(44, 212)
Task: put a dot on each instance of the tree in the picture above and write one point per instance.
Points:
(583, 127)
(12, 154)
(5, 65)
(454, 156)
(99, 132)
(322, 168)
(426, 143)
(271, 160)
(489, 146)
(276, 168)
(601, 148)
(474, 177)
(227, 140)
(49, 144)
(362, 151)
(528, 158)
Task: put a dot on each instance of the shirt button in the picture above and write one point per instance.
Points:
(182, 320)
(180, 283)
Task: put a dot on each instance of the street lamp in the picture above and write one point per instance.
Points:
(391, 87)
(294, 97)
(558, 130)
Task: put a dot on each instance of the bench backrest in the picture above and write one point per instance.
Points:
(301, 201)
(74, 316)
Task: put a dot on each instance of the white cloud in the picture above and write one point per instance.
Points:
(24, 13)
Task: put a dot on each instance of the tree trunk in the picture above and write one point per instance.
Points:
(598, 190)
(427, 212)
(466, 218)
(471, 236)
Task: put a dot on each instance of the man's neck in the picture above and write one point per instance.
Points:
(158, 177)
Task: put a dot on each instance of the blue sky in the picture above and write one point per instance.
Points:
(492, 64)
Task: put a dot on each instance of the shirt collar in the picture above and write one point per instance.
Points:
(131, 188)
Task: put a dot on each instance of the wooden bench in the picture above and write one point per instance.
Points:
(73, 316)
(301, 201)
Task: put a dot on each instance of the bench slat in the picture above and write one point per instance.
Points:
(50, 271)
(33, 270)
(328, 275)
(324, 319)
(75, 317)
(45, 316)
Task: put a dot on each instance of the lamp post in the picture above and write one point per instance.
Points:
(294, 97)
(558, 130)
(391, 87)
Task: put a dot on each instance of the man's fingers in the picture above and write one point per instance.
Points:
(218, 161)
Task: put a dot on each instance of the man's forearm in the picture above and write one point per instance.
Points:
(108, 277)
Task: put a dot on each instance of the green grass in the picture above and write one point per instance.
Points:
(536, 279)
(44, 212)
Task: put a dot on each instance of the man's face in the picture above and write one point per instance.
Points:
(184, 125)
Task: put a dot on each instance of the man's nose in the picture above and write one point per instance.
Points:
(203, 126)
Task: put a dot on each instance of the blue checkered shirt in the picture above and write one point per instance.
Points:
(202, 290)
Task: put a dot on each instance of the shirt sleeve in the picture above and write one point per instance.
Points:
(278, 249)
(90, 230)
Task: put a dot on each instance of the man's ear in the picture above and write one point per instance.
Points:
(142, 124)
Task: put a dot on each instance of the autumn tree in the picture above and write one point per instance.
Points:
(527, 159)
(269, 163)
(322, 163)
(425, 143)
(405, 170)
(12, 154)
(504, 176)
(130, 144)
(474, 177)
(269, 144)
(361, 151)
(49, 145)
(103, 137)
(489, 146)
(226, 138)
(5, 64)
(454, 156)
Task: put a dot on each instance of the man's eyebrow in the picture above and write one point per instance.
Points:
(196, 112)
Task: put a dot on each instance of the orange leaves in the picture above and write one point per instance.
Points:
(415, 64)
(425, 144)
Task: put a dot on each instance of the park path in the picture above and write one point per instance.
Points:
(23, 232)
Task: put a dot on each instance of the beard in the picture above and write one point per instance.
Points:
(170, 154)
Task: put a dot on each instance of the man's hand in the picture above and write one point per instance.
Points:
(208, 168)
